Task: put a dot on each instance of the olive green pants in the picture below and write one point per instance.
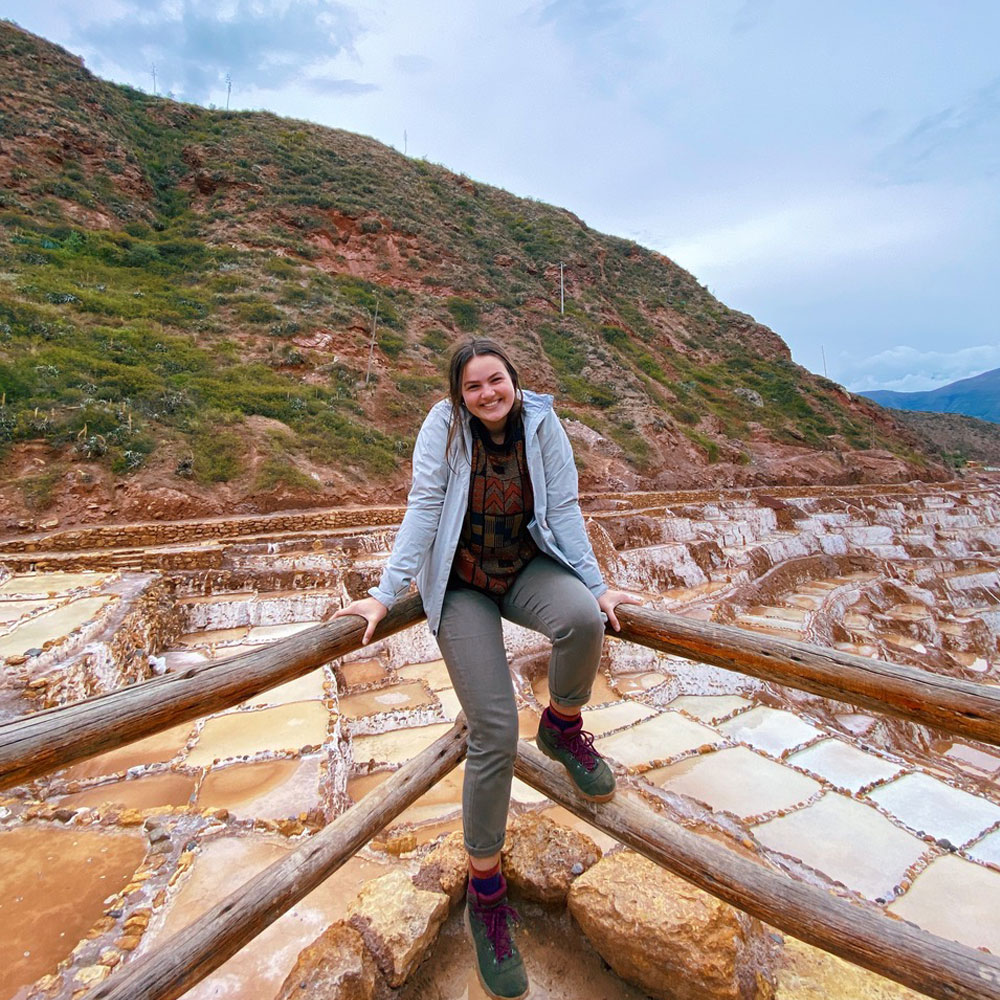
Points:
(547, 598)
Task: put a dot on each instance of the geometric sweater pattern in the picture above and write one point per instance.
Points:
(495, 544)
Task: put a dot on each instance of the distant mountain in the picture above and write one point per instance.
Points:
(978, 396)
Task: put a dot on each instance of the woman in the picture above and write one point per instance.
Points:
(493, 530)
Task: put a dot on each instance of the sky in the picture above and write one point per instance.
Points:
(833, 169)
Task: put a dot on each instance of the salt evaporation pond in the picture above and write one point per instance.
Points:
(802, 779)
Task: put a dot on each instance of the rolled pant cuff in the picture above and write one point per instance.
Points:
(568, 702)
(484, 852)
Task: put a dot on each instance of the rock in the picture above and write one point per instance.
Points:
(445, 869)
(672, 940)
(753, 397)
(138, 920)
(91, 975)
(807, 973)
(540, 855)
(398, 921)
(110, 957)
(399, 844)
(336, 966)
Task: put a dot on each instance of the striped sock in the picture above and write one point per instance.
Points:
(486, 883)
(552, 717)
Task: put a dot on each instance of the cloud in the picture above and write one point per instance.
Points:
(908, 369)
(752, 14)
(412, 64)
(953, 143)
(806, 235)
(193, 45)
(334, 85)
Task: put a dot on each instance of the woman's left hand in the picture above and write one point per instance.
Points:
(610, 599)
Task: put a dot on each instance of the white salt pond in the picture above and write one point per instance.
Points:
(772, 730)
(666, 735)
(11, 611)
(54, 584)
(237, 734)
(736, 780)
(844, 765)
(925, 804)
(847, 840)
(709, 708)
(51, 626)
(970, 915)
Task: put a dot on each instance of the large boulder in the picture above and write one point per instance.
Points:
(807, 973)
(398, 921)
(671, 939)
(541, 858)
(336, 966)
(445, 869)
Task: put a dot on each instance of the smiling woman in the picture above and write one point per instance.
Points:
(493, 531)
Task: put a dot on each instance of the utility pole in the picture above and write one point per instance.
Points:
(154, 79)
(404, 142)
(823, 352)
(562, 294)
(371, 346)
(229, 88)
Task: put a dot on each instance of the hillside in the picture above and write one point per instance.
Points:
(978, 396)
(188, 298)
(960, 439)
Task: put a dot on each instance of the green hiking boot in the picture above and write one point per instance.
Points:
(574, 749)
(498, 962)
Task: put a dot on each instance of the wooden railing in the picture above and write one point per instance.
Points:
(37, 744)
(855, 930)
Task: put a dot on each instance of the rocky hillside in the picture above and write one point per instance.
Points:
(189, 297)
(959, 439)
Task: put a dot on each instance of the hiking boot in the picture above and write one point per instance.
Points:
(498, 962)
(574, 749)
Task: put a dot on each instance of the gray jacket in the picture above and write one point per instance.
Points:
(428, 537)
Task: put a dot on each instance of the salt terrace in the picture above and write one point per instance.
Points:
(105, 859)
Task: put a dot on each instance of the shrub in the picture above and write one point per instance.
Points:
(436, 340)
(257, 312)
(464, 312)
(276, 471)
(217, 455)
(38, 491)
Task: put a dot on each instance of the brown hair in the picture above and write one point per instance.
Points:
(459, 359)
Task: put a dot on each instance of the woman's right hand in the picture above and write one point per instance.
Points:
(369, 608)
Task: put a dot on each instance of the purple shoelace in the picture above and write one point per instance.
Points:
(497, 920)
(580, 744)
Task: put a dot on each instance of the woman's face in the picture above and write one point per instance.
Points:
(487, 390)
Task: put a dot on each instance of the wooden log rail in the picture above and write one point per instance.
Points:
(36, 744)
(857, 932)
(43, 742)
(192, 953)
(954, 705)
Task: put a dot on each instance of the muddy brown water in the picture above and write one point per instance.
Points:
(74, 871)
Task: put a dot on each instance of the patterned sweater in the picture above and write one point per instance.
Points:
(495, 544)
